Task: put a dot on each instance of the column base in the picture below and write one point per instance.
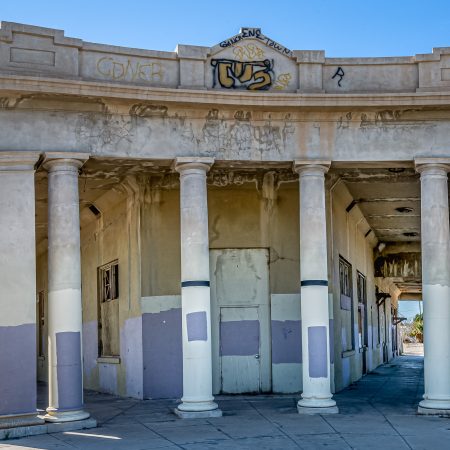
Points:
(44, 428)
(55, 416)
(22, 420)
(320, 410)
(198, 414)
(197, 410)
(434, 408)
(317, 406)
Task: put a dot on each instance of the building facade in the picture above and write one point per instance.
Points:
(236, 219)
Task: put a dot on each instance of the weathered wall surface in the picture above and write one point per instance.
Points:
(257, 214)
(161, 132)
(247, 210)
(113, 236)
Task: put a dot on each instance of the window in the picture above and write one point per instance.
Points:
(345, 276)
(108, 310)
(346, 301)
(362, 306)
(109, 281)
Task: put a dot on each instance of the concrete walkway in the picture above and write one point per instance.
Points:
(378, 412)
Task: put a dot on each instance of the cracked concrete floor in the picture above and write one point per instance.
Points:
(378, 412)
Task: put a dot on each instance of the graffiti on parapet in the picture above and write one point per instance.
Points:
(256, 33)
(248, 52)
(282, 81)
(339, 73)
(130, 69)
(234, 74)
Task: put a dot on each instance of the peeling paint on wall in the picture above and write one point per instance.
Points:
(286, 341)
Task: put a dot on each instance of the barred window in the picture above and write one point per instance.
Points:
(109, 281)
(345, 277)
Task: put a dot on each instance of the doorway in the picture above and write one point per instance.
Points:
(240, 324)
(239, 350)
(363, 337)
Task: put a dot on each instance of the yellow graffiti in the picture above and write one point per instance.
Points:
(248, 52)
(252, 75)
(130, 71)
(282, 81)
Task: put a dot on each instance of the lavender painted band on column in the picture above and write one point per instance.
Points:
(68, 355)
(331, 328)
(239, 338)
(317, 352)
(304, 283)
(196, 324)
(201, 283)
(18, 369)
(286, 341)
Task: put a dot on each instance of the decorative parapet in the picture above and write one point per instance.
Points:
(192, 66)
(34, 50)
(248, 61)
(434, 70)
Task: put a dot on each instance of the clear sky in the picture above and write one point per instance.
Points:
(340, 27)
(409, 309)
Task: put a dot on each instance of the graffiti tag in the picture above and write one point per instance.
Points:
(339, 73)
(282, 81)
(248, 52)
(252, 75)
(255, 33)
(129, 70)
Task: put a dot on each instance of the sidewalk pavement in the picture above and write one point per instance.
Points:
(378, 412)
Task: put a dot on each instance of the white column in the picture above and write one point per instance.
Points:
(197, 400)
(64, 288)
(316, 396)
(435, 239)
(17, 290)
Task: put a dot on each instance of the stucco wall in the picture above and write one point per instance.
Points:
(113, 236)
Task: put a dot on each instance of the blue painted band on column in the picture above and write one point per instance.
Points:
(314, 283)
(194, 283)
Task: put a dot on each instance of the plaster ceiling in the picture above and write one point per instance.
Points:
(379, 192)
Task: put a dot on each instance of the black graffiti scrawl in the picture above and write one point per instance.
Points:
(251, 75)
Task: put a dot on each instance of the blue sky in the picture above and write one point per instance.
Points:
(409, 309)
(341, 27)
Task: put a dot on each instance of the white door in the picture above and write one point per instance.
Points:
(240, 293)
(239, 350)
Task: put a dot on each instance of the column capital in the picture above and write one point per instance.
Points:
(305, 165)
(192, 162)
(54, 160)
(426, 164)
(18, 160)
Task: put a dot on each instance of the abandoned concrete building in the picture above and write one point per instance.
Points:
(242, 218)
